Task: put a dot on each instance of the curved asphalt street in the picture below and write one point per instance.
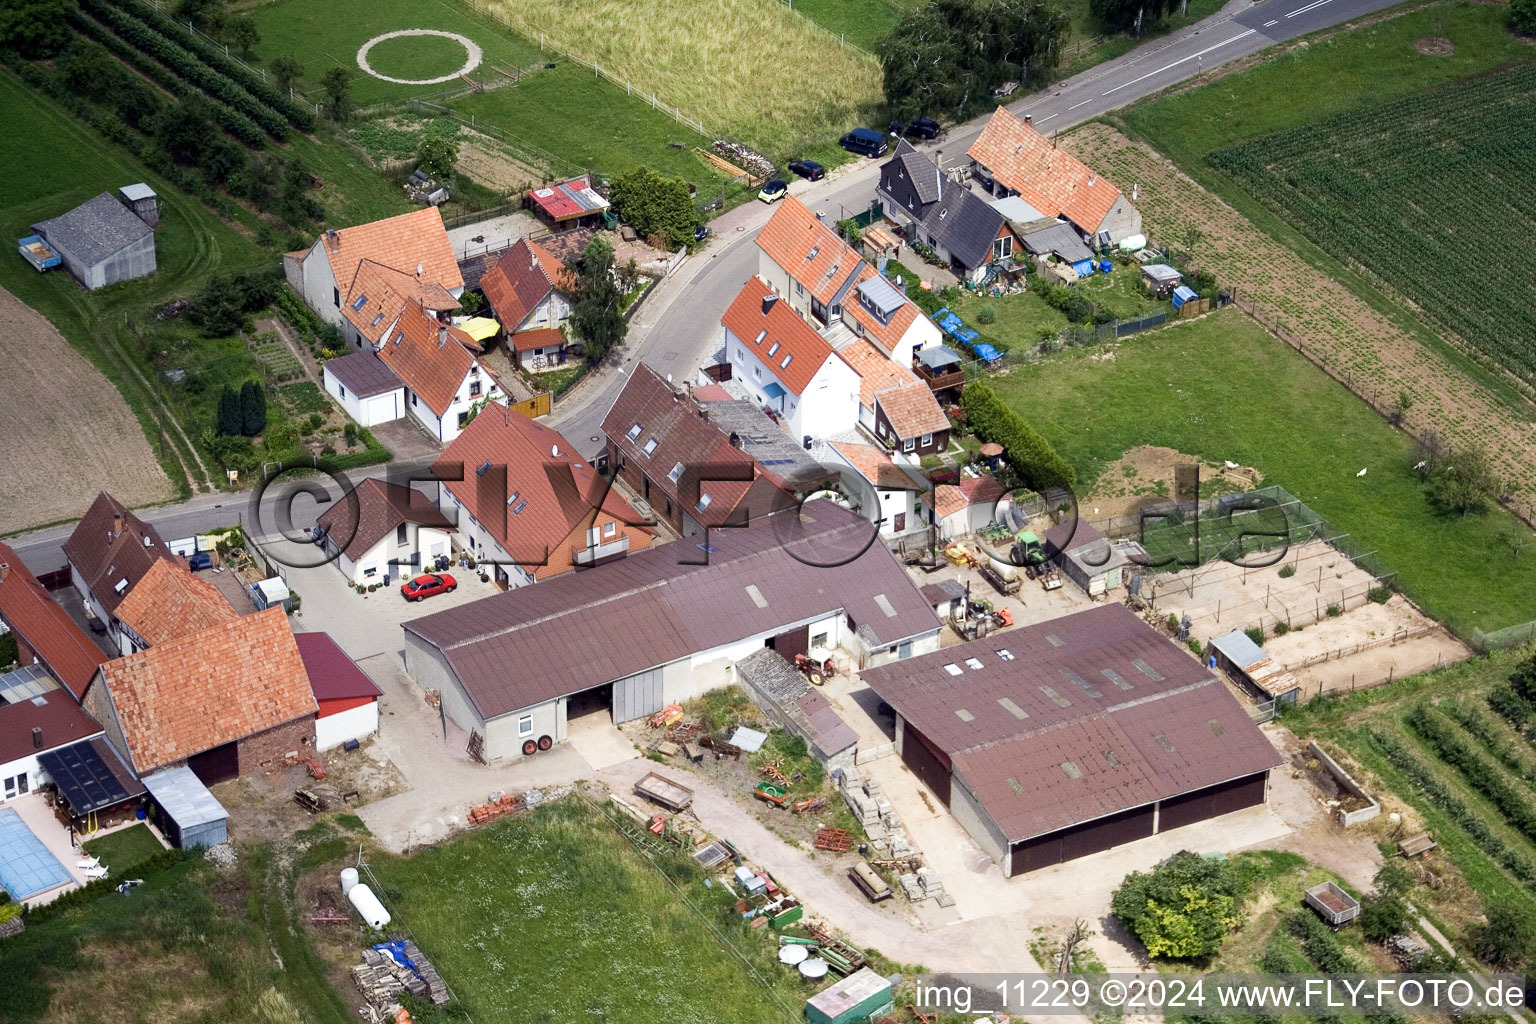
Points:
(679, 327)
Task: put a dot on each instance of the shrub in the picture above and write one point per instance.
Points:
(253, 408)
(1380, 595)
(1195, 647)
(9, 653)
(1256, 634)
(1184, 908)
(655, 205)
(1507, 938)
(986, 316)
(230, 419)
(1031, 456)
(315, 419)
(1334, 611)
(1287, 571)
(1282, 627)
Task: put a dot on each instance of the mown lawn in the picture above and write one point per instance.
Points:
(1220, 388)
(554, 917)
(125, 848)
(321, 34)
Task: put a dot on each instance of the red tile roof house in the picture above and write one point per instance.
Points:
(360, 278)
(381, 530)
(888, 494)
(348, 700)
(530, 291)
(110, 550)
(1013, 159)
(834, 290)
(36, 717)
(681, 465)
(787, 367)
(1062, 739)
(224, 700)
(523, 501)
(443, 383)
(895, 407)
(45, 634)
(667, 624)
(963, 509)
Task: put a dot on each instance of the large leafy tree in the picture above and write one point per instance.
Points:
(946, 57)
(1183, 908)
(337, 85)
(1129, 15)
(1522, 16)
(655, 205)
(596, 316)
(437, 156)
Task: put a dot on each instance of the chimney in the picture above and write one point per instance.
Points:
(117, 527)
(821, 215)
(735, 439)
(533, 259)
(37, 738)
(5, 571)
(768, 301)
(442, 336)
(333, 241)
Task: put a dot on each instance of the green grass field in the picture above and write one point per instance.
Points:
(125, 848)
(1356, 184)
(554, 917)
(1220, 388)
(321, 34)
(590, 125)
(750, 68)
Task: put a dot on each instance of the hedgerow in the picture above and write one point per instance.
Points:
(1480, 775)
(1030, 455)
(1479, 726)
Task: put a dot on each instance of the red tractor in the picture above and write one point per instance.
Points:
(813, 670)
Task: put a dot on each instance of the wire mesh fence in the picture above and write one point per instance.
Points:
(1504, 639)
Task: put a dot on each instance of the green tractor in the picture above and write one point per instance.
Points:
(1027, 546)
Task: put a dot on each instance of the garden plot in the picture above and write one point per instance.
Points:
(1354, 342)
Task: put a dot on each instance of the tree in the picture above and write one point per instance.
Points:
(1523, 680)
(1506, 938)
(285, 72)
(1385, 912)
(595, 315)
(253, 408)
(655, 205)
(1129, 15)
(1522, 16)
(242, 33)
(1430, 451)
(1183, 908)
(36, 28)
(948, 55)
(437, 156)
(230, 421)
(337, 85)
(1464, 483)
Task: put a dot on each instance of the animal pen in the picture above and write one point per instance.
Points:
(1248, 561)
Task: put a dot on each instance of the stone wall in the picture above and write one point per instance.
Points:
(274, 744)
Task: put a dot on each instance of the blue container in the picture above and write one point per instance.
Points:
(1104, 266)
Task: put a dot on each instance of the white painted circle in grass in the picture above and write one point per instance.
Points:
(472, 56)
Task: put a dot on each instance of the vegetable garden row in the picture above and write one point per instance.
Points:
(1429, 192)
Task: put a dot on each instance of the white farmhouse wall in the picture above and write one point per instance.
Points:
(320, 284)
(366, 412)
(353, 724)
(1122, 221)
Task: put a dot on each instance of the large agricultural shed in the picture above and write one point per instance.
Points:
(667, 624)
(1065, 738)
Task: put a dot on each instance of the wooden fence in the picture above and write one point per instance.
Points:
(534, 407)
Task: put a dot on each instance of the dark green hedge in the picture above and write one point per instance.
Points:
(102, 886)
(1031, 456)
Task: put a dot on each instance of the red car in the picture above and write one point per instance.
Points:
(426, 586)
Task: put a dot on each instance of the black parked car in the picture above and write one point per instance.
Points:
(919, 128)
(810, 170)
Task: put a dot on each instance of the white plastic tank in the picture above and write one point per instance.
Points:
(348, 879)
(368, 905)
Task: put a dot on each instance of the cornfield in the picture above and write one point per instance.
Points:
(1434, 193)
(751, 68)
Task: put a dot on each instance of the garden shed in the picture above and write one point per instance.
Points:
(1160, 278)
(184, 809)
(860, 996)
(1249, 665)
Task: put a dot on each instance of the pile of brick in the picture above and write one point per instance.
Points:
(888, 838)
(925, 884)
(499, 804)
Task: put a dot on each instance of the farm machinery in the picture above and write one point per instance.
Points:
(815, 671)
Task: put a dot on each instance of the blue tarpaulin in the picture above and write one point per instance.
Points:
(396, 952)
(986, 352)
(1084, 268)
(1183, 294)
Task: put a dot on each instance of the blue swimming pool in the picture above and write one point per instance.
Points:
(26, 866)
